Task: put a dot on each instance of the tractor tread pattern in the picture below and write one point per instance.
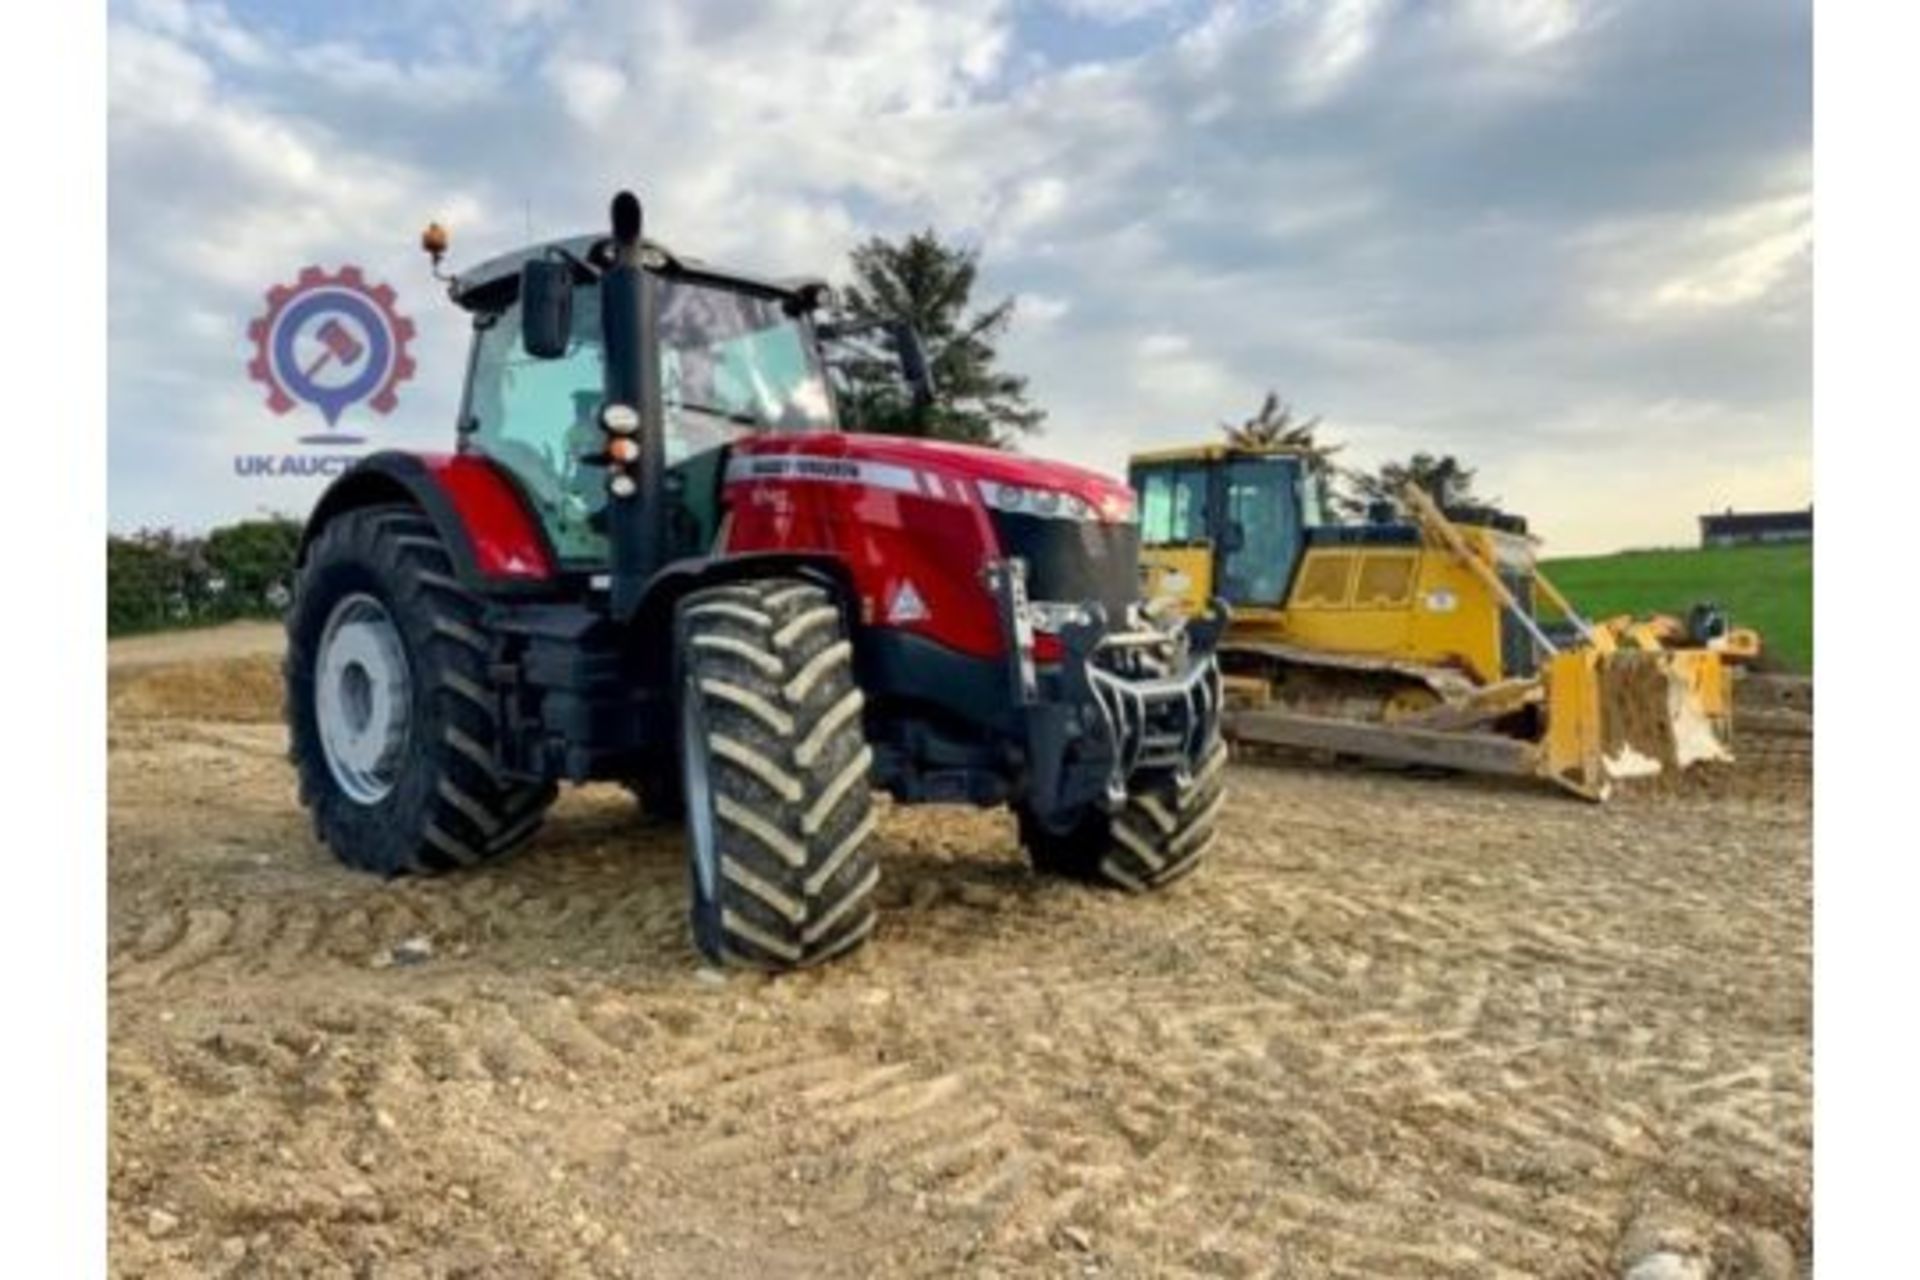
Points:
(788, 770)
(1155, 838)
(462, 812)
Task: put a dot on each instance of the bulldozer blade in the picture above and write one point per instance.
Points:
(1470, 752)
(1633, 714)
(1609, 717)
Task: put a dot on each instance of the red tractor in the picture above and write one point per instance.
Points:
(653, 558)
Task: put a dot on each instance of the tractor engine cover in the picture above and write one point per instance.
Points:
(916, 522)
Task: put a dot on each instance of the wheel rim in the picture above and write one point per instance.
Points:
(698, 789)
(363, 698)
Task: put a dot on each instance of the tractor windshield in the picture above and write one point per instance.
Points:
(732, 361)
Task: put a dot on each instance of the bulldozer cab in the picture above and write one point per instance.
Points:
(1225, 522)
(731, 358)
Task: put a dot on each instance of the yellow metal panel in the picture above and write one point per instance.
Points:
(1184, 574)
(1182, 453)
(1386, 579)
(1706, 680)
(1454, 618)
(1575, 735)
(1411, 604)
(1326, 581)
(1253, 624)
(1380, 633)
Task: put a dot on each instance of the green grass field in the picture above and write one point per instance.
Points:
(1767, 588)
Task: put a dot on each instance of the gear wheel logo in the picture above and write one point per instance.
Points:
(331, 341)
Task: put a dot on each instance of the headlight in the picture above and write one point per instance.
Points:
(1053, 616)
(1047, 504)
(620, 419)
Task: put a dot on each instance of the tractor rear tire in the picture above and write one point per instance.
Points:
(1157, 837)
(774, 763)
(392, 718)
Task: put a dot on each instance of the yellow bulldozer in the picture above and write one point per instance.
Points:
(1413, 637)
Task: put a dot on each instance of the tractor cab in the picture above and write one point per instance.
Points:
(1223, 522)
(733, 356)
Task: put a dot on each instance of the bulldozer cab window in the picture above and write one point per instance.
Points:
(1173, 506)
(1262, 506)
(537, 417)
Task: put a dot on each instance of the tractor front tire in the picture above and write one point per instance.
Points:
(774, 764)
(1159, 836)
(392, 719)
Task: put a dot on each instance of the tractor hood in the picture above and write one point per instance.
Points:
(911, 462)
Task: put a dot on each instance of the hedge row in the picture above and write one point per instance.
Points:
(157, 578)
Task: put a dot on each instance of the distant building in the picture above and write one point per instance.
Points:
(1750, 528)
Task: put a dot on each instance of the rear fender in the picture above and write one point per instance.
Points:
(496, 543)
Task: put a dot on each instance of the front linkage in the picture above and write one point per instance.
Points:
(1122, 738)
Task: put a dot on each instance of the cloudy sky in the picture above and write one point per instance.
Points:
(1571, 242)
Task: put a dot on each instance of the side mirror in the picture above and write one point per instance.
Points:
(546, 307)
(913, 364)
(808, 298)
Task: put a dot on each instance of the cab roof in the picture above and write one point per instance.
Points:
(1214, 453)
(494, 282)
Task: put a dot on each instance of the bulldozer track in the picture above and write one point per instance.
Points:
(1394, 1026)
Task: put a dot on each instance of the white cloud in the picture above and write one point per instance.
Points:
(590, 89)
(1510, 231)
(1670, 269)
(1523, 26)
(1032, 205)
(1041, 310)
(1336, 47)
(1753, 252)
(1170, 374)
(1116, 11)
(1632, 489)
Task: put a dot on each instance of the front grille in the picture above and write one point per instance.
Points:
(1074, 561)
(1518, 656)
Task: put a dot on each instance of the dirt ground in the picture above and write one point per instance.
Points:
(1398, 1026)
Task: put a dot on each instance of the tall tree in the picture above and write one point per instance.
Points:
(1273, 424)
(929, 284)
(1442, 476)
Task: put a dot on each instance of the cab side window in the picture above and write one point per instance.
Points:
(537, 417)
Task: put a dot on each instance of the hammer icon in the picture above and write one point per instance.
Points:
(340, 345)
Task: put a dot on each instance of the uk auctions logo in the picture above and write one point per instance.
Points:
(328, 342)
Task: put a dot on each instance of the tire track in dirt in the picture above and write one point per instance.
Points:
(262, 912)
(1396, 1027)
